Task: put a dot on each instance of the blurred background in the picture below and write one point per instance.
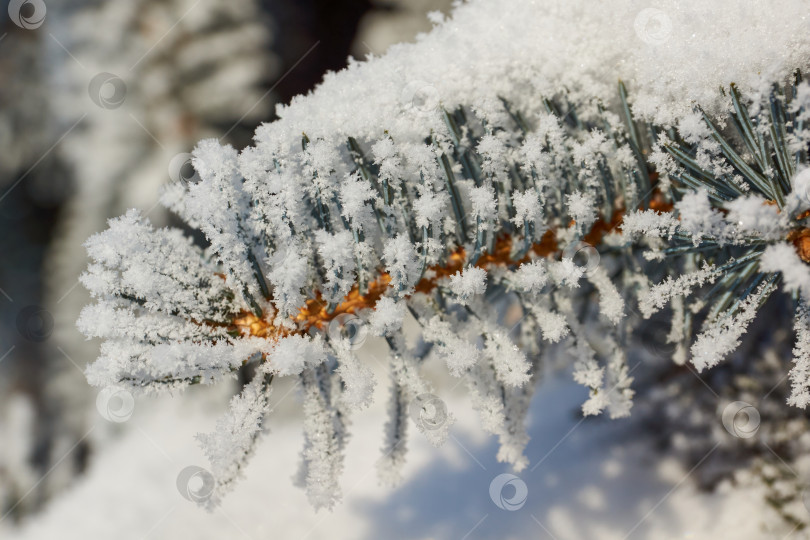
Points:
(97, 97)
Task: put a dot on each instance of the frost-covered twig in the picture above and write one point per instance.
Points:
(471, 210)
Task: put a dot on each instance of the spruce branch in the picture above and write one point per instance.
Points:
(572, 210)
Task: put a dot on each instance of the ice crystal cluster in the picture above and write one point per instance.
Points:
(510, 207)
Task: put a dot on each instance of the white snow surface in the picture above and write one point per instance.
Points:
(671, 56)
(594, 480)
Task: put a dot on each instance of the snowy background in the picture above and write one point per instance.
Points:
(588, 480)
(75, 153)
